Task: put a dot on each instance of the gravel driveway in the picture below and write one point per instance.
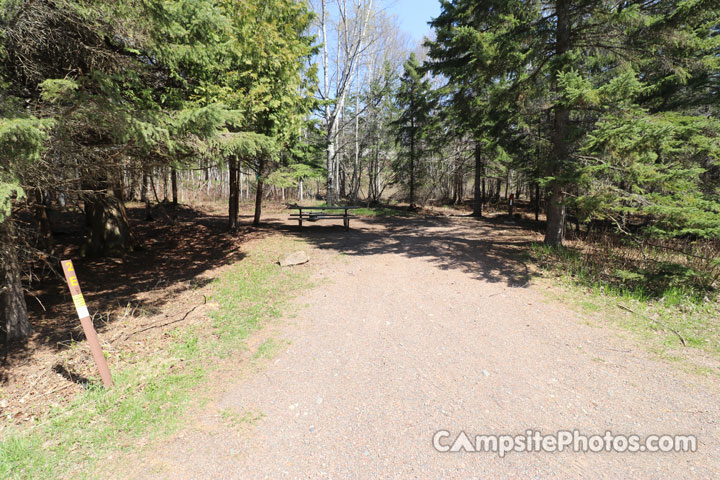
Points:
(431, 324)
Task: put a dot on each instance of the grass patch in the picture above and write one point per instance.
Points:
(383, 211)
(661, 304)
(254, 291)
(268, 349)
(150, 395)
(237, 419)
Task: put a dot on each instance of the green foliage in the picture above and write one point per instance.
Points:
(203, 122)
(417, 121)
(8, 191)
(291, 175)
(246, 145)
(638, 163)
(21, 142)
(160, 82)
(58, 90)
(647, 275)
(662, 301)
(614, 108)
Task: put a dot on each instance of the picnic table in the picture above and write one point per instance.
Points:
(313, 214)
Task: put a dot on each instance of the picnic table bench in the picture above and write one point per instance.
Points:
(313, 214)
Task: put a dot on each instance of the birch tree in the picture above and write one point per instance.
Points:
(347, 27)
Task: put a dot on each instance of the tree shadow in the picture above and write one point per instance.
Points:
(175, 251)
(489, 249)
(178, 248)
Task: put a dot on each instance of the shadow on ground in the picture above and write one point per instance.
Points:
(174, 254)
(487, 249)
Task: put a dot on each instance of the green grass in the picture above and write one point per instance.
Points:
(385, 211)
(661, 311)
(268, 349)
(237, 419)
(151, 395)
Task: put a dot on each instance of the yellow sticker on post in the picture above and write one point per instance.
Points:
(80, 305)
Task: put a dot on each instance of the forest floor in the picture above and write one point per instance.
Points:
(436, 323)
(400, 328)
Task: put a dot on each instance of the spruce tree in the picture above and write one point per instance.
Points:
(584, 72)
(417, 119)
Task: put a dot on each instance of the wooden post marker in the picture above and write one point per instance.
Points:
(86, 322)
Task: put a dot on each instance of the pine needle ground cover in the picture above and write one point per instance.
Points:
(152, 392)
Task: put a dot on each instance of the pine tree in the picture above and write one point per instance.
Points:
(93, 89)
(564, 66)
(416, 103)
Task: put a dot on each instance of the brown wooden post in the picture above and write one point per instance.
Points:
(86, 322)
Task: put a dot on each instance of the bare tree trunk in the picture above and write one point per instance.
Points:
(355, 184)
(507, 183)
(478, 191)
(132, 183)
(145, 196)
(234, 201)
(144, 187)
(259, 194)
(344, 79)
(13, 310)
(207, 180)
(108, 229)
(412, 159)
(240, 183)
(43, 222)
(329, 125)
(165, 184)
(484, 198)
(173, 182)
(555, 232)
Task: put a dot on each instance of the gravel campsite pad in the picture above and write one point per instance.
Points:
(426, 324)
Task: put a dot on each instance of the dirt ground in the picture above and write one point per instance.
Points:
(426, 324)
(181, 250)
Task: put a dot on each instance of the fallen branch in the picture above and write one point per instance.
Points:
(682, 340)
(150, 327)
(32, 386)
(38, 300)
(55, 390)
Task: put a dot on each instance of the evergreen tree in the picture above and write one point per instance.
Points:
(93, 90)
(416, 121)
(565, 64)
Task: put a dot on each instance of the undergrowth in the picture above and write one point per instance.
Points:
(663, 293)
(149, 396)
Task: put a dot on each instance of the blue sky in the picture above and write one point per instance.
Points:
(414, 15)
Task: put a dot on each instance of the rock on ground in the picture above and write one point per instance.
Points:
(295, 258)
